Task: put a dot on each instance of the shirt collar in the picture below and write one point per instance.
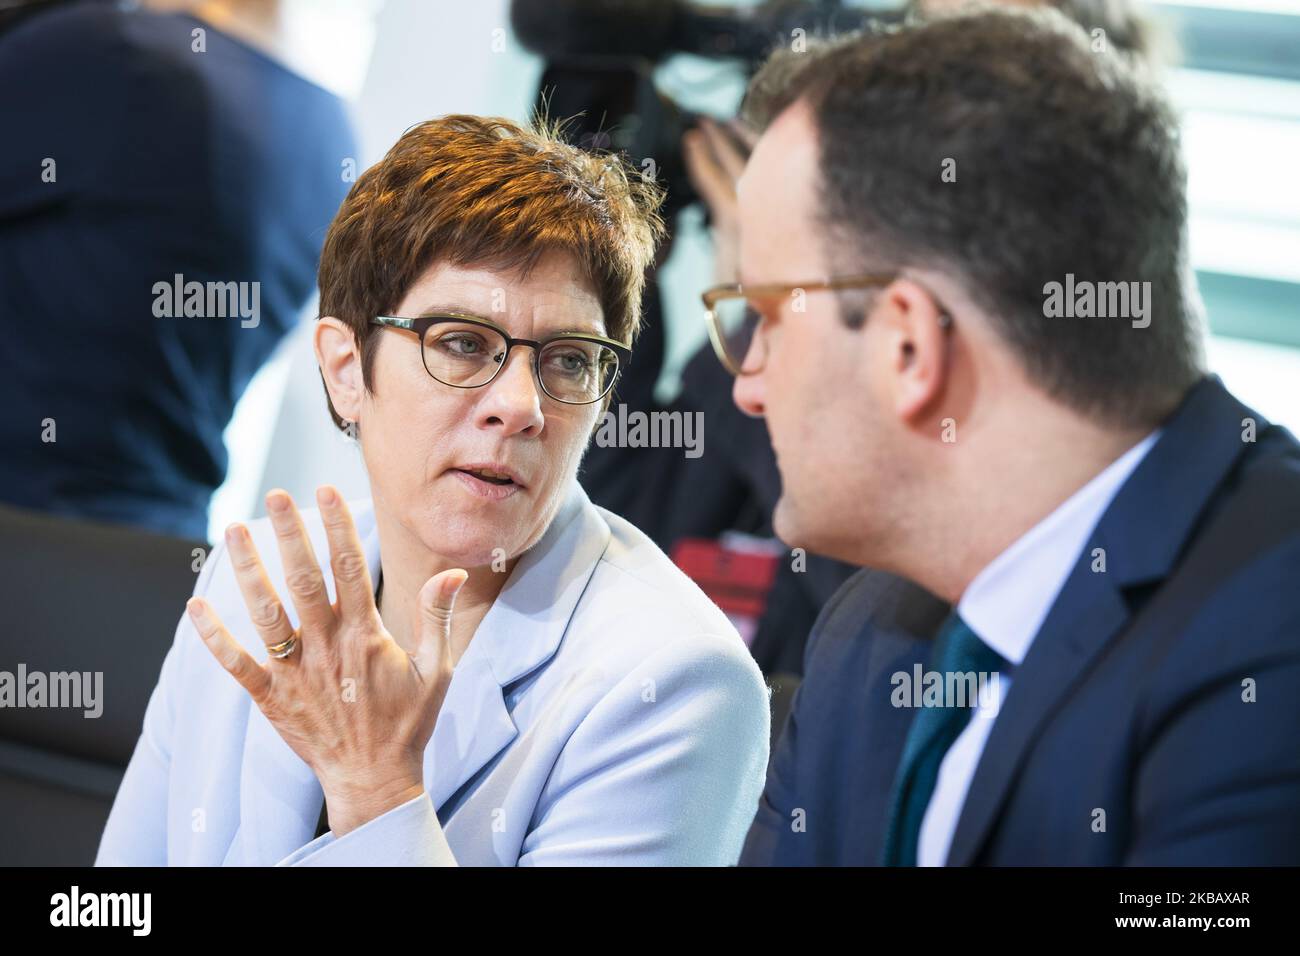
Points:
(1008, 600)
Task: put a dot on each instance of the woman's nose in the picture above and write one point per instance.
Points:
(513, 400)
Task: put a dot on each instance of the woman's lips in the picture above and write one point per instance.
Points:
(484, 489)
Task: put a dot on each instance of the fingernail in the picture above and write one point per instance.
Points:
(194, 607)
(232, 534)
(277, 502)
(326, 495)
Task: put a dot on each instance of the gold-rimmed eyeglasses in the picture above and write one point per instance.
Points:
(732, 318)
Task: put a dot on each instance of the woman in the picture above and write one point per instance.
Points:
(495, 671)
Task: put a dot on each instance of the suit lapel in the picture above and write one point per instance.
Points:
(1083, 620)
(884, 730)
(1143, 532)
(899, 628)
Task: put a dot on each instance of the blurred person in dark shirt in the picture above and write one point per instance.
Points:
(150, 155)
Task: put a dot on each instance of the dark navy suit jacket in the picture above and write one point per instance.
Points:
(1156, 717)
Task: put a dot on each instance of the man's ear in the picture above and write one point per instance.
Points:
(915, 350)
(339, 359)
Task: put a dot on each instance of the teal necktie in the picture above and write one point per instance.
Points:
(956, 649)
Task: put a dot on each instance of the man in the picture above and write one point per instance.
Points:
(1117, 536)
(735, 487)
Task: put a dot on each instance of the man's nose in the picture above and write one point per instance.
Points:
(747, 393)
(513, 401)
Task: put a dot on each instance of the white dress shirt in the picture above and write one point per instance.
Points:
(1005, 605)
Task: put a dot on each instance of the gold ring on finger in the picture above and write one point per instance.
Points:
(283, 649)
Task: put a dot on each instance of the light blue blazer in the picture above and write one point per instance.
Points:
(605, 712)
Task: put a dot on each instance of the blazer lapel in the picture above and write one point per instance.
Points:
(1142, 533)
(519, 633)
(279, 795)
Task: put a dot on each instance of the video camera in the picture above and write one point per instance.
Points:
(600, 58)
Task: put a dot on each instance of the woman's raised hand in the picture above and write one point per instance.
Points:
(348, 699)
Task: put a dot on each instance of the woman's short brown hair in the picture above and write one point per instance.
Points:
(486, 191)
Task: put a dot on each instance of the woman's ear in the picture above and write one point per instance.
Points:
(339, 359)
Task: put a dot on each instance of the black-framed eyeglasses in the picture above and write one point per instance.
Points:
(732, 320)
(465, 351)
